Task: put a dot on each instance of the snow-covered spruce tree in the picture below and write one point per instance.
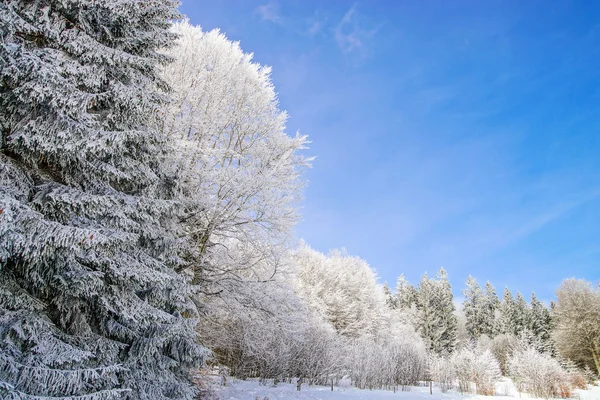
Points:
(444, 301)
(390, 298)
(539, 324)
(405, 298)
(90, 305)
(435, 319)
(521, 313)
(490, 310)
(405, 293)
(506, 322)
(474, 308)
(428, 318)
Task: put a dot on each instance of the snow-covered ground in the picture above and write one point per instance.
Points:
(593, 394)
(251, 390)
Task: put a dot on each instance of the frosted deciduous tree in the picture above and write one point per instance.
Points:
(319, 354)
(539, 374)
(408, 358)
(442, 372)
(476, 369)
(257, 339)
(576, 318)
(239, 171)
(342, 290)
(372, 343)
(239, 178)
(90, 304)
(383, 363)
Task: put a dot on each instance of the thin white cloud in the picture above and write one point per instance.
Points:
(538, 222)
(270, 12)
(315, 24)
(352, 34)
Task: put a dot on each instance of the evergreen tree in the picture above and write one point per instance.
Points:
(506, 322)
(90, 304)
(436, 320)
(539, 323)
(474, 308)
(520, 315)
(406, 294)
(490, 310)
(444, 307)
(390, 299)
(428, 322)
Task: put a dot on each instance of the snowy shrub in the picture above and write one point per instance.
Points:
(577, 377)
(316, 355)
(409, 360)
(589, 375)
(345, 382)
(502, 347)
(385, 363)
(539, 374)
(442, 372)
(476, 369)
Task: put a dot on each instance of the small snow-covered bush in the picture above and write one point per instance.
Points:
(539, 374)
(589, 375)
(409, 360)
(577, 377)
(478, 369)
(345, 382)
(385, 363)
(502, 347)
(442, 372)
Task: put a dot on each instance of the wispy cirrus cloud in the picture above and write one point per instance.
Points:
(270, 12)
(354, 32)
(316, 24)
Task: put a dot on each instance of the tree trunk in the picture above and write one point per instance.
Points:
(596, 357)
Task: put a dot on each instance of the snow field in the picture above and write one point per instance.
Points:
(251, 390)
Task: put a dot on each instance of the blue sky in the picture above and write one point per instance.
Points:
(460, 134)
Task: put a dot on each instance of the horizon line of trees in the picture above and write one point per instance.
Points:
(434, 315)
(569, 329)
